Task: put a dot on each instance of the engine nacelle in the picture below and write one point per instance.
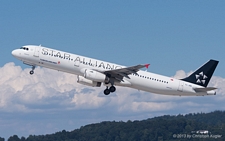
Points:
(95, 76)
(84, 81)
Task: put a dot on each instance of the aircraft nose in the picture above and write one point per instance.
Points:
(15, 53)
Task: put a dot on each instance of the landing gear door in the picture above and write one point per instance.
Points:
(36, 51)
(181, 85)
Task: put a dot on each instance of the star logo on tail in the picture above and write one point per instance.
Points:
(201, 77)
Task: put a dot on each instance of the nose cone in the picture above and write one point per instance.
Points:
(16, 53)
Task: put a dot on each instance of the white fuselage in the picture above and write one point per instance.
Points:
(75, 64)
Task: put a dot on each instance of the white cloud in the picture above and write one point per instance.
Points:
(219, 83)
(180, 74)
(50, 97)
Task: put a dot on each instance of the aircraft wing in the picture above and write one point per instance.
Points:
(118, 74)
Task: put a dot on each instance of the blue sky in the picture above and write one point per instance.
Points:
(170, 35)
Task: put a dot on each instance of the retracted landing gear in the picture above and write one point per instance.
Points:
(32, 71)
(107, 91)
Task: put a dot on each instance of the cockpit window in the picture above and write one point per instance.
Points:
(24, 48)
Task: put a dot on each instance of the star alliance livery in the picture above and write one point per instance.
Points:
(93, 72)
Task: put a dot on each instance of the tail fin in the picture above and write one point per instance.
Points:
(203, 75)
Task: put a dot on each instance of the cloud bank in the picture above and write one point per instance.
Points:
(49, 101)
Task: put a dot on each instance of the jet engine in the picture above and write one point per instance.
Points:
(84, 81)
(95, 76)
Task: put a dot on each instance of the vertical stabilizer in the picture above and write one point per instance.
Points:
(202, 75)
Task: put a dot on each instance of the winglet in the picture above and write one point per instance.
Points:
(147, 65)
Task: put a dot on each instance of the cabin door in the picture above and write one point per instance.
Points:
(77, 63)
(36, 51)
(181, 85)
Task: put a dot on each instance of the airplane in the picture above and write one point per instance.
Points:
(93, 72)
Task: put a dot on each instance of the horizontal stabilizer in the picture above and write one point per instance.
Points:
(204, 89)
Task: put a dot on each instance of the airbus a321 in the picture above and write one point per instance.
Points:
(93, 72)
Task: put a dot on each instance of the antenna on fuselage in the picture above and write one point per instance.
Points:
(40, 45)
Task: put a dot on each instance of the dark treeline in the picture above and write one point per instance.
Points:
(159, 128)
